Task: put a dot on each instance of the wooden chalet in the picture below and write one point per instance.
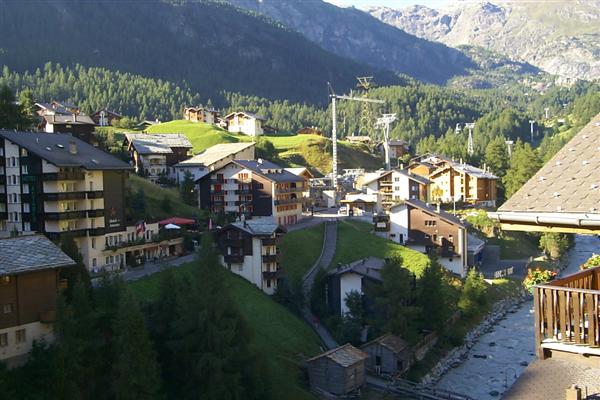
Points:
(388, 354)
(339, 371)
(310, 130)
(201, 114)
(105, 117)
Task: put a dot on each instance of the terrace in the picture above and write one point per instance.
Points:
(567, 315)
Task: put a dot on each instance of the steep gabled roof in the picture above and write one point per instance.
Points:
(30, 253)
(260, 165)
(157, 143)
(569, 182)
(257, 226)
(393, 343)
(446, 216)
(247, 114)
(216, 153)
(344, 356)
(54, 148)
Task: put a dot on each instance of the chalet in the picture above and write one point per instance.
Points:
(57, 184)
(250, 248)
(359, 139)
(30, 269)
(215, 157)
(339, 371)
(388, 354)
(105, 117)
(309, 130)
(563, 196)
(61, 117)
(396, 185)
(422, 227)
(255, 188)
(244, 123)
(145, 124)
(397, 148)
(453, 181)
(359, 276)
(304, 172)
(201, 114)
(155, 155)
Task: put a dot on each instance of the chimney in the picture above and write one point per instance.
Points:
(72, 148)
(74, 117)
(439, 209)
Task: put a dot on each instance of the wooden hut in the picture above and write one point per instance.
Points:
(388, 354)
(338, 371)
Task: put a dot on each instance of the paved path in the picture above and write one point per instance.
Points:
(327, 254)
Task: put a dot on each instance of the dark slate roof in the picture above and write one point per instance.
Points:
(30, 253)
(433, 210)
(568, 183)
(248, 114)
(259, 166)
(258, 226)
(345, 356)
(391, 342)
(54, 148)
(369, 267)
(68, 119)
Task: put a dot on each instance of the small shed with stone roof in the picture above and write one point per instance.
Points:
(339, 371)
(388, 354)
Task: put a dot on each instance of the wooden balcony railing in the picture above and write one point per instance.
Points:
(567, 314)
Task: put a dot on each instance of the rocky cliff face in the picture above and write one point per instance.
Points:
(354, 34)
(559, 37)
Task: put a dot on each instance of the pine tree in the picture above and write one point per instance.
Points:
(473, 298)
(135, 369)
(187, 189)
(432, 297)
(523, 165)
(496, 156)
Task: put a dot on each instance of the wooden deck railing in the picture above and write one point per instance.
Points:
(567, 312)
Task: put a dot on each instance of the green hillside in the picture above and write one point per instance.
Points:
(284, 339)
(154, 196)
(200, 134)
(351, 246)
(312, 151)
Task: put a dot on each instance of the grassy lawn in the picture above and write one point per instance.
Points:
(515, 245)
(200, 134)
(155, 194)
(300, 249)
(356, 241)
(284, 338)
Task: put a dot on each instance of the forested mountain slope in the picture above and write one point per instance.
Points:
(212, 46)
(354, 34)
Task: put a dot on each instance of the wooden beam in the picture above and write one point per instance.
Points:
(548, 228)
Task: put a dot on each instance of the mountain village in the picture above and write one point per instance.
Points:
(408, 241)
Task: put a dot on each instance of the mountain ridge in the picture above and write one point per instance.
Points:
(560, 38)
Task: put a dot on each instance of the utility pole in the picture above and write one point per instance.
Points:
(531, 122)
(470, 145)
(384, 122)
(334, 97)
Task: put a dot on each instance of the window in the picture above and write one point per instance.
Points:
(7, 308)
(268, 283)
(435, 238)
(25, 170)
(93, 243)
(4, 280)
(94, 262)
(399, 365)
(430, 223)
(450, 238)
(13, 162)
(3, 339)
(106, 260)
(20, 335)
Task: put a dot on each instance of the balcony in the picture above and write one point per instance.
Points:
(2, 179)
(95, 213)
(267, 258)
(95, 194)
(269, 242)
(58, 216)
(234, 258)
(567, 314)
(271, 274)
(290, 189)
(3, 197)
(96, 231)
(243, 191)
(218, 181)
(287, 201)
(25, 198)
(64, 176)
(73, 233)
(64, 196)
